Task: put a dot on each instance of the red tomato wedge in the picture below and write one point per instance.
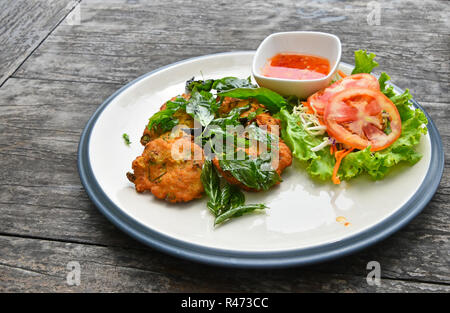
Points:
(319, 100)
(355, 117)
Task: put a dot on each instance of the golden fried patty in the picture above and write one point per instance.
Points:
(272, 124)
(162, 170)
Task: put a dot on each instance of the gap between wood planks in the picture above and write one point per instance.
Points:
(179, 276)
(38, 44)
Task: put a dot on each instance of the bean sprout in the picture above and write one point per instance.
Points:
(326, 142)
(310, 122)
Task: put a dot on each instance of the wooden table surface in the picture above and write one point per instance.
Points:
(60, 59)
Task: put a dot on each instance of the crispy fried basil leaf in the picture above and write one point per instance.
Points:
(211, 184)
(238, 211)
(270, 99)
(232, 118)
(225, 83)
(231, 197)
(202, 107)
(228, 83)
(261, 135)
(252, 172)
(164, 120)
(224, 202)
(199, 85)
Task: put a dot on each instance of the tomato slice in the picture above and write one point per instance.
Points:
(355, 117)
(320, 99)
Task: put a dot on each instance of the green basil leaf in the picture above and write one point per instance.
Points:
(164, 119)
(258, 134)
(238, 211)
(231, 197)
(199, 85)
(270, 99)
(211, 184)
(126, 139)
(228, 83)
(202, 107)
(231, 119)
(252, 172)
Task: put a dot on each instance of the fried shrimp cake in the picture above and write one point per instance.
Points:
(170, 169)
(267, 120)
(181, 115)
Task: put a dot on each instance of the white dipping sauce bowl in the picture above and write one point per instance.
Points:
(312, 43)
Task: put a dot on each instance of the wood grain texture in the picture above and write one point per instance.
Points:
(42, 267)
(24, 25)
(47, 218)
(411, 43)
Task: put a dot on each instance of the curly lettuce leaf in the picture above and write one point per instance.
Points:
(364, 62)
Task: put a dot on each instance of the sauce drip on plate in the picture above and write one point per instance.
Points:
(296, 66)
(342, 220)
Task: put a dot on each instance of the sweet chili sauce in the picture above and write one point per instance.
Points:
(296, 66)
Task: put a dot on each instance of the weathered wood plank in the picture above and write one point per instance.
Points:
(44, 109)
(41, 195)
(24, 25)
(44, 145)
(411, 41)
(42, 267)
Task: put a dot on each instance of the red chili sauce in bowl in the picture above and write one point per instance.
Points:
(296, 66)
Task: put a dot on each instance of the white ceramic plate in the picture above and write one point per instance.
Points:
(301, 225)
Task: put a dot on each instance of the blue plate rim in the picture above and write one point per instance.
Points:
(259, 259)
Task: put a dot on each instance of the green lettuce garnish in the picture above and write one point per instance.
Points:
(320, 163)
(364, 62)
